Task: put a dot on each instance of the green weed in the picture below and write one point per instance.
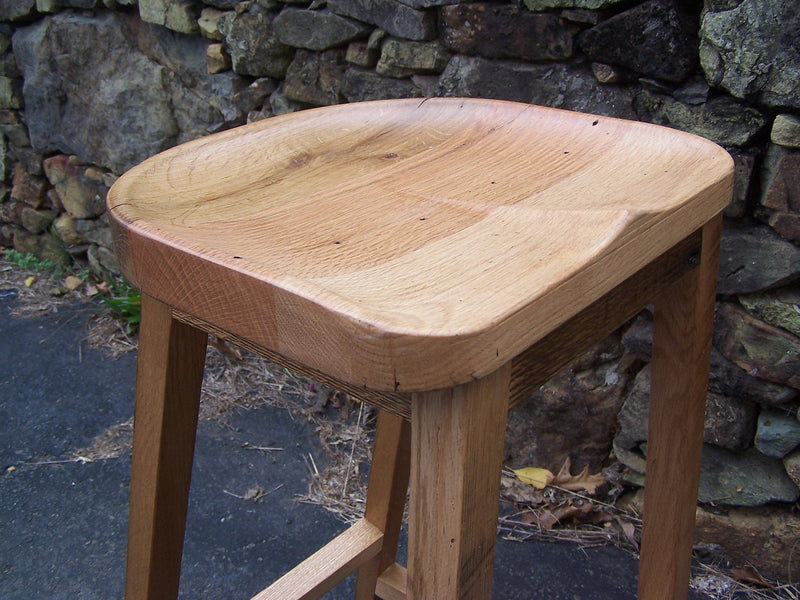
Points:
(126, 301)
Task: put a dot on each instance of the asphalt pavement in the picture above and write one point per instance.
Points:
(63, 520)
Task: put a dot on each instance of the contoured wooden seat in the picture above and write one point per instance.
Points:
(438, 258)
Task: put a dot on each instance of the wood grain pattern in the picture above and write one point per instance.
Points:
(393, 583)
(457, 440)
(168, 379)
(321, 571)
(547, 356)
(683, 321)
(440, 237)
(386, 496)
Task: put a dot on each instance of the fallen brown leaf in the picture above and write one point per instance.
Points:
(748, 574)
(583, 481)
(72, 283)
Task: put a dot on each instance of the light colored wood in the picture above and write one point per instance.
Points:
(392, 583)
(547, 356)
(684, 317)
(168, 380)
(441, 237)
(457, 440)
(386, 496)
(328, 566)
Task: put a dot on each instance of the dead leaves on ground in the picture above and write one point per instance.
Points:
(582, 482)
(549, 504)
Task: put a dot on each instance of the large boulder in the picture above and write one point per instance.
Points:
(654, 39)
(751, 50)
(253, 43)
(722, 120)
(393, 16)
(146, 91)
(570, 87)
(755, 258)
(505, 32)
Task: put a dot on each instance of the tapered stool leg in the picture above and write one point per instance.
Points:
(457, 440)
(168, 380)
(386, 496)
(684, 316)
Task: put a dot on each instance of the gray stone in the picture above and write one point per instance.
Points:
(82, 197)
(401, 58)
(428, 84)
(779, 308)
(5, 38)
(4, 159)
(64, 228)
(730, 380)
(555, 85)
(392, 16)
(254, 48)
(8, 66)
(45, 6)
(786, 224)
(14, 128)
(722, 119)
(45, 246)
(316, 77)
(177, 15)
(754, 258)
(780, 178)
(95, 231)
(217, 58)
(37, 221)
(581, 15)
(146, 91)
(279, 104)
(743, 479)
(607, 73)
(361, 84)
(223, 4)
(751, 50)
(778, 433)
(537, 5)
(743, 164)
(694, 91)
(254, 95)
(729, 423)
(359, 53)
(791, 463)
(316, 29)
(761, 349)
(495, 31)
(786, 131)
(654, 39)
(208, 23)
(27, 188)
(13, 10)
(10, 93)
(429, 3)
(102, 261)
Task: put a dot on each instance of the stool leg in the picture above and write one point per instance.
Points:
(457, 440)
(168, 380)
(386, 496)
(684, 317)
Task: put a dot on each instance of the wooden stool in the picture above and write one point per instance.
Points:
(439, 259)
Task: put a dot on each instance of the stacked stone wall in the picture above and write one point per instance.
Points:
(88, 88)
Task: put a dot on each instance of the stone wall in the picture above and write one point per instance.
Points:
(88, 88)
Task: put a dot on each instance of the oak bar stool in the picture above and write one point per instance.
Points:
(439, 259)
